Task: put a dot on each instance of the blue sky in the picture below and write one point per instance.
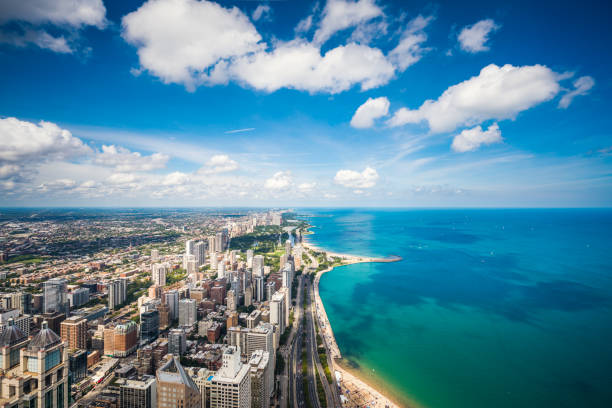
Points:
(356, 103)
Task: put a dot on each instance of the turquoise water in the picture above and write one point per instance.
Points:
(489, 308)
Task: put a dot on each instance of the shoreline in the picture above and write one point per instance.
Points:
(352, 383)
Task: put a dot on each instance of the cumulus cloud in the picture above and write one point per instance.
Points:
(197, 43)
(178, 40)
(354, 179)
(474, 38)
(176, 178)
(220, 163)
(40, 38)
(75, 13)
(339, 15)
(496, 93)
(582, 86)
(279, 181)
(306, 187)
(122, 178)
(371, 110)
(66, 15)
(409, 50)
(125, 161)
(299, 65)
(23, 141)
(471, 139)
(262, 12)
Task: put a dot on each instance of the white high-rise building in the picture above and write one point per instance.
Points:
(189, 247)
(214, 260)
(186, 259)
(233, 256)
(230, 387)
(200, 253)
(187, 312)
(288, 247)
(278, 310)
(249, 258)
(221, 270)
(159, 272)
(258, 265)
(117, 292)
(154, 255)
(190, 264)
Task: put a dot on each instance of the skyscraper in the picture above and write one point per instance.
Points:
(262, 379)
(149, 326)
(54, 291)
(154, 255)
(172, 299)
(74, 332)
(189, 247)
(177, 342)
(159, 272)
(139, 393)
(175, 388)
(117, 292)
(46, 360)
(200, 253)
(230, 387)
(277, 311)
(258, 264)
(288, 247)
(219, 247)
(187, 312)
(258, 286)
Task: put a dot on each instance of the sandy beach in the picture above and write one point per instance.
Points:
(356, 391)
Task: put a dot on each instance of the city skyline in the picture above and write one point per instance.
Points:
(187, 103)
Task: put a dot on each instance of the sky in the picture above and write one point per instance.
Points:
(305, 103)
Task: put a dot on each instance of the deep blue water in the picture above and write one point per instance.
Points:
(489, 308)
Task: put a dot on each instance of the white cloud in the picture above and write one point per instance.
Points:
(471, 139)
(67, 16)
(179, 40)
(371, 110)
(279, 181)
(75, 13)
(354, 179)
(39, 38)
(219, 163)
(263, 12)
(23, 141)
(582, 86)
(304, 25)
(306, 187)
(299, 65)
(496, 93)
(176, 178)
(473, 38)
(125, 161)
(122, 178)
(339, 15)
(8, 170)
(197, 43)
(409, 50)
